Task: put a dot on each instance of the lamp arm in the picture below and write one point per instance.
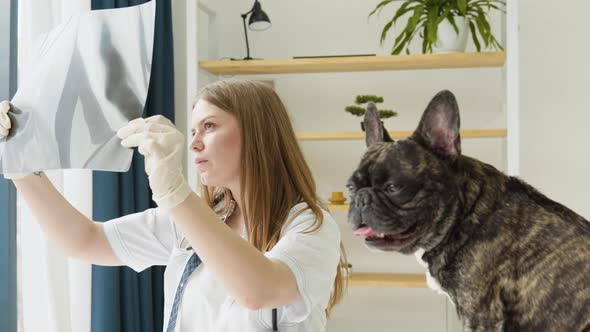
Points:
(246, 33)
(246, 30)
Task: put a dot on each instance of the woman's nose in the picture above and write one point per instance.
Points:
(197, 143)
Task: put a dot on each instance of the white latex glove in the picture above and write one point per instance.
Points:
(5, 126)
(5, 123)
(162, 145)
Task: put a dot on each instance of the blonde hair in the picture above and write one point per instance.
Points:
(275, 175)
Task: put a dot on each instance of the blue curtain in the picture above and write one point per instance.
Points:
(8, 309)
(123, 300)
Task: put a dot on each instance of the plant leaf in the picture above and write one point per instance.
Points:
(384, 114)
(474, 35)
(400, 38)
(496, 45)
(413, 21)
(362, 99)
(404, 37)
(453, 23)
(484, 27)
(462, 6)
(355, 110)
(380, 5)
(403, 42)
(402, 10)
(432, 27)
(443, 15)
(384, 32)
(419, 29)
(425, 43)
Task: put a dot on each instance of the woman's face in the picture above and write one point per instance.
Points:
(216, 144)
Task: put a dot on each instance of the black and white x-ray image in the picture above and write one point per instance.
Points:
(83, 81)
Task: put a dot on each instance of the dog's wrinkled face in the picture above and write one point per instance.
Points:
(403, 192)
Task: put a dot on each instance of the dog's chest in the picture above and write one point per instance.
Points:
(431, 282)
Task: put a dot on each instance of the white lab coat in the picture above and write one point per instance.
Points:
(150, 238)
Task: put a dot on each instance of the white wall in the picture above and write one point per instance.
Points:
(555, 111)
(554, 79)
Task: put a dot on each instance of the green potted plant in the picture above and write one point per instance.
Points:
(359, 110)
(443, 24)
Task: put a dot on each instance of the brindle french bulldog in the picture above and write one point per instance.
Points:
(510, 258)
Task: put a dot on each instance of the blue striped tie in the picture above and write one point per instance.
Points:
(192, 264)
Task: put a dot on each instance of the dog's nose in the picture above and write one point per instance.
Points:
(363, 199)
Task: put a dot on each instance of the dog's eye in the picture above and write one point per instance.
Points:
(350, 187)
(392, 188)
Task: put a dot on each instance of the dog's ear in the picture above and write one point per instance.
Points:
(375, 131)
(439, 127)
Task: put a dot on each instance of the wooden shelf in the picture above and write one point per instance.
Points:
(352, 64)
(400, 280)
(359, 135)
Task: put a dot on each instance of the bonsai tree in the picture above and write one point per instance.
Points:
(426, 15)
(363, 99)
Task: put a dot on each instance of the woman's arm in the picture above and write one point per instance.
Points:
(68, 229)
(254, 280)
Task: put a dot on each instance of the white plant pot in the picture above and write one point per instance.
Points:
(447, 38)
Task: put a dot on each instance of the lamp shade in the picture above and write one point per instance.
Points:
(258, 18)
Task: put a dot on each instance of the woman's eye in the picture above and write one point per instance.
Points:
(209, 125)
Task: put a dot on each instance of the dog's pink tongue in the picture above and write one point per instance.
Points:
(365, 231)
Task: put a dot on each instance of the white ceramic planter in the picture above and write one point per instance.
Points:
(447, 38)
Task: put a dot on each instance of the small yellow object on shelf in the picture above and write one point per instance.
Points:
(338, 207)
(337, 198)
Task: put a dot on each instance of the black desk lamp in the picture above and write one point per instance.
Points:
(258, 21)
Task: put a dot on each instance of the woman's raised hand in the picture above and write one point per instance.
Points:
(5, 123)
(162, 145)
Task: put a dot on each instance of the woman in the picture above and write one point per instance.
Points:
(277, 248)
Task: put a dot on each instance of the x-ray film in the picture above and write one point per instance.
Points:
(85, 79)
